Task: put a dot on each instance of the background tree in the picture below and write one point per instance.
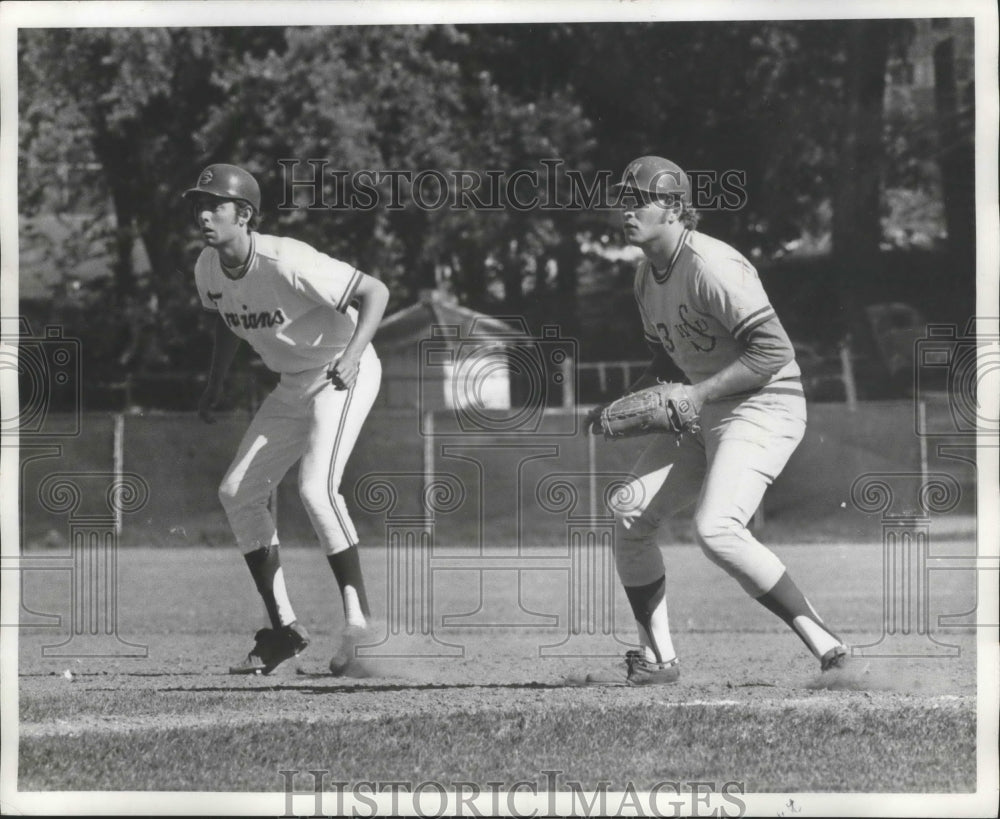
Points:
(115, 123)
(955, 130)
(137, 98)
(856, 194)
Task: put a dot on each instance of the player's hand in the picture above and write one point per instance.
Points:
(592, 422)
(208, 402)
(344, 372)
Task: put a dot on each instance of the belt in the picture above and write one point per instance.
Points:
(784, 386)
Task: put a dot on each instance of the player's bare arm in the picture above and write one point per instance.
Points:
(292, 305)
(373, 296)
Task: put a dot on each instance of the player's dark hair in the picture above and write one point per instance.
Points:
(242, 207)
(688, 215)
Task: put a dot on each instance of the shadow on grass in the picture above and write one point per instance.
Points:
(356, 688)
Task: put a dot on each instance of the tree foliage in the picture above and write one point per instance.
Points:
(115, 123)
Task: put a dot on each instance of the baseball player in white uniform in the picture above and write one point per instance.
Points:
(703, 307)
(295, 307)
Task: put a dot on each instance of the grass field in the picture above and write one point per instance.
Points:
(751, 707)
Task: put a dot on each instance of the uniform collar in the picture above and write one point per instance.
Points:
(662, 275)
(237, 273)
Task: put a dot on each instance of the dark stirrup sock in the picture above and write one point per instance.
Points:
(264, 563)
(787, 601)
(644, 600)
(346, 567)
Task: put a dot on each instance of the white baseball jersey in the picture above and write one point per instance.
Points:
(292, 304)
(703, 306)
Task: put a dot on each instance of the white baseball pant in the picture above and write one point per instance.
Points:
(306, 418)
(742, 447)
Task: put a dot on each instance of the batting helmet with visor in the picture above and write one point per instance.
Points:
(657, 176)
(227, 182)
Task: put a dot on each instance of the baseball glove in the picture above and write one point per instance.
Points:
(664, 407)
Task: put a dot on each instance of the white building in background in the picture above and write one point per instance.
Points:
(438, 355)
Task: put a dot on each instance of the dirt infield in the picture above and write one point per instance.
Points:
(750, 706)
(736, 698)
(766, 671)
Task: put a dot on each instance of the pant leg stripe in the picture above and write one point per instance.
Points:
(330, 488)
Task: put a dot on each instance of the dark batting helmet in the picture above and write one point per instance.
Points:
(227, 182)
(657, 176)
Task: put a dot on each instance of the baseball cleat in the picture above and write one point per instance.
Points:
(344, 659)
(291, 641)
(640, 671)
(836, 657)
(255, 662)
(271, 648)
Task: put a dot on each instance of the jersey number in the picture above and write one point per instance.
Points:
(664, 331)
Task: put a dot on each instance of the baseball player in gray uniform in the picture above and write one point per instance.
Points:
(295, 307)
(703, 307)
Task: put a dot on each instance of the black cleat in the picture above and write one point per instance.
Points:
(271, 648)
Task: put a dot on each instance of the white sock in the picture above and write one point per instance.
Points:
(657, 645)
(285, 612)
(352, 607)
(815, 636)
